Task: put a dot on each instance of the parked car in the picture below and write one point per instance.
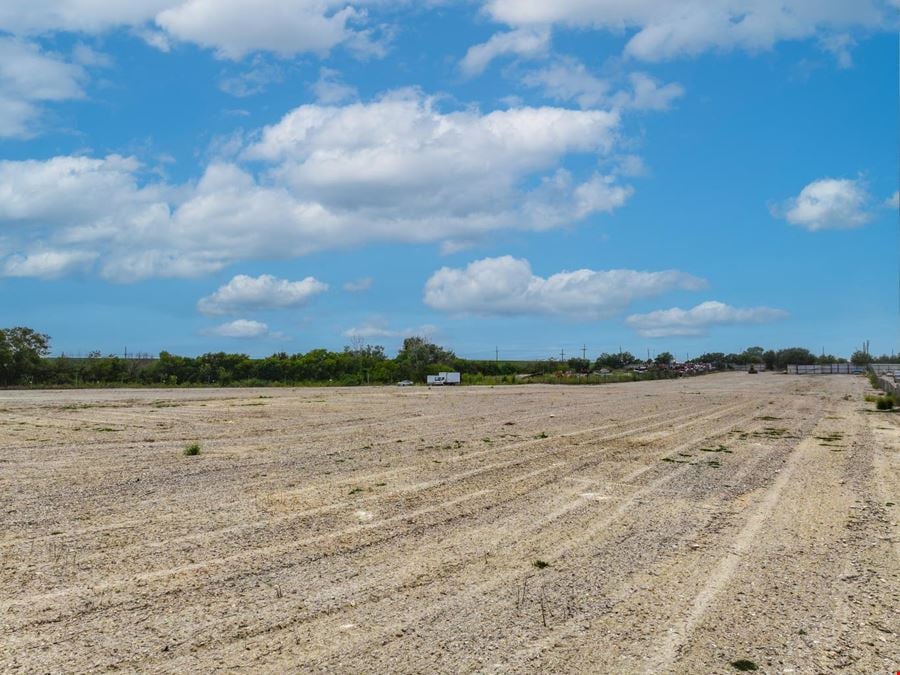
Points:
(405, 383)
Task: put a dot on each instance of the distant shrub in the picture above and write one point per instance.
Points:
(885, 403)
(192, 449)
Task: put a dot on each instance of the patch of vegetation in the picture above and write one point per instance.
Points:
(355, 491)
(714, 463)
(105, 429)
(540, 564)
(885, 403)
(830, 440)
(675, 461)
(768, 418)
(166, 404)
(744, 665)
(870, 398)
(543, 434)
(487, 440)
(720, 448)
(192, 450)
(770, 432)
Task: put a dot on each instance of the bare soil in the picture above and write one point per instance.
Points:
(678, 526)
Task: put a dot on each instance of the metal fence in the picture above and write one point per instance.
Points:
(826, 369)
(888, 385)
(882, 368)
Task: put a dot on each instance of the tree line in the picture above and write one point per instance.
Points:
(24, 361)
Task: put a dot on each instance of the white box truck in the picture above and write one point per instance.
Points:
(441, 379)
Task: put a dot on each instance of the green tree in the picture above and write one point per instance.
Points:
(861, 358)
(21, 351)
(664, 359)
(579, 365)
(417, 355)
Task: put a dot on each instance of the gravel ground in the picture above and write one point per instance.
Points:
(678, 526)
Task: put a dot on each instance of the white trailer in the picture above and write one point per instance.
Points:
(441, 379)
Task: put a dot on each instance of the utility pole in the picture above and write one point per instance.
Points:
(584, 352)
(497, 355)
(562, 355)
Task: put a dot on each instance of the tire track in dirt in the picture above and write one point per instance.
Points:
(441, 543)
(445, 484)
(475, 559)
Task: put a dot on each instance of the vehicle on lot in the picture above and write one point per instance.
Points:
(443, 378)
(405, 383)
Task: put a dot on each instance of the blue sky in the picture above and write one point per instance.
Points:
(281, 175)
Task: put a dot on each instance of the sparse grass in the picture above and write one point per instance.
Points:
(355, 491)
(720, 448)
(744, 665)
(768, 418)
(870, 398)
(830, 440)
(885, 403)
(192, 450)
(543, 434)
(540, 564)
(166, 404)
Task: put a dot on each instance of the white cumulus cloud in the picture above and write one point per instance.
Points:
(393, 170)
(664, 29)
(244, 293)
(828, 204)
(507, 286)
(378, 327)
(30, 77)
(242, 329)
(47, 264)
(567, 79)
(524, 43)
(698, 320)
(231, 28)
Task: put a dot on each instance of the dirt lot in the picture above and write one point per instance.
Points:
(685, 525)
